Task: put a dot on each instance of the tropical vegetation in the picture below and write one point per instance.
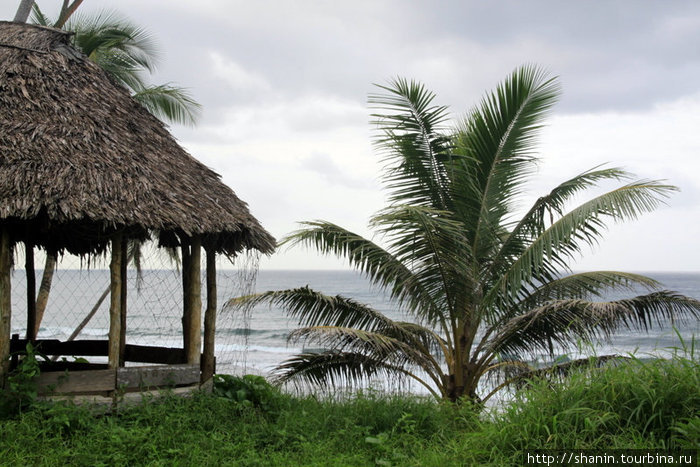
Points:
(650, 406)
(129, 54)
(485, 283)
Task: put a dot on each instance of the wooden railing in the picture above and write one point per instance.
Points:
(79, 377)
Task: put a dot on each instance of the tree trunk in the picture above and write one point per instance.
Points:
(31, 290)
(44, 289)
(22, 15)
(66, 12)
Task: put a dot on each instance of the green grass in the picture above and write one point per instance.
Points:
(652, 405)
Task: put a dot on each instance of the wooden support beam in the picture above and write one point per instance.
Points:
(209, 318)
(194, 314)
(123, 278)
(186, 271)
(115, 305)
(32, 325)
(5, 302)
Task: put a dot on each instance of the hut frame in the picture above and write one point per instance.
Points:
(85, 169)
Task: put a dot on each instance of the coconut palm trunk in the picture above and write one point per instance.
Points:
(23, 11)
(42, 298)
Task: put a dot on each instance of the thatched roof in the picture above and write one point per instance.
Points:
(79, 158)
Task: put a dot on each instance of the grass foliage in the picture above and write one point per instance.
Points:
(640, 405)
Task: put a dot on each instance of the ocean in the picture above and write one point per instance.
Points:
(257, 342)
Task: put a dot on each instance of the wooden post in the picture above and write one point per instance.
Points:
(209, 318)
(31, 290)
(115, 302)
(5, 302)
(186, 272)
(123, 278)
(194, 339)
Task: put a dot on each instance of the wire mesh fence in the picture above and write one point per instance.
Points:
(78, 302)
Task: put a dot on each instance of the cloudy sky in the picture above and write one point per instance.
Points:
(284, 87)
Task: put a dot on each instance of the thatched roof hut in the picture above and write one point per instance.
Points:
(78, 154)
(84, 167)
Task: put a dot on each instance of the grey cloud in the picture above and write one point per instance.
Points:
(620, 55)
(324, 165)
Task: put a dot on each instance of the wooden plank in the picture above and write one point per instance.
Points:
(134, 398)
(70, 366)
(5, 301)
(157, 376)
(149, 354)
(115, 306)
(96, 348)
(209, 318)
(68, 382)
(81, 348)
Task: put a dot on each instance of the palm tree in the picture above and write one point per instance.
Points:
(485, 287)
(127, 53)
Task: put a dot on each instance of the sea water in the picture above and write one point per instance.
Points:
(256, 341)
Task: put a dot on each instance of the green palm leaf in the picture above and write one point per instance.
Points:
(128, 54)
(415, 150)
(425, 239)
(534, 222)
(379, 265)
(337, 369)
(312, 308)
(583, 225)
(498, 139)
(399, 352)
(169, 103)
(563, 322)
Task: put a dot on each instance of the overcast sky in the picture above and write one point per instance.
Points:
(284, 87)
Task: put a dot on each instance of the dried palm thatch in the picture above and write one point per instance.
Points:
(80, 159)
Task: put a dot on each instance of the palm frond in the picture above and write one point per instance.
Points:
(584, 285)
(170, 103)
(313, 308)
(426, 239)
(337, 369)
(421, 337)
(564, 322)
(582, 226)
(498, 139)
(107, 34)
(416, 152)
(520, 375)
(38, 16)
(397, 352)
(380, 266)
(535, 221)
